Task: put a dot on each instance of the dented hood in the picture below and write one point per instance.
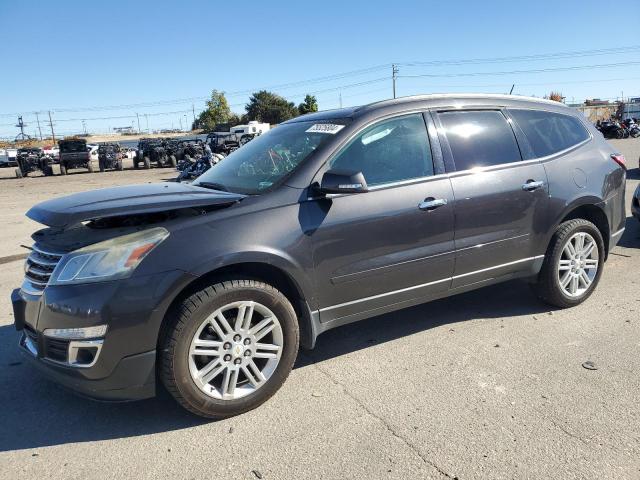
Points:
(67, 211)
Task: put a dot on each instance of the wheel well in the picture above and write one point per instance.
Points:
(254, 271)
(596, 216)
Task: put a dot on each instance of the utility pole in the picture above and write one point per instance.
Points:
(146, 117)
(53, 135)
(138, 117)
(340, 95)
(39, 129)
(193, 109)
(186, 123)
(512, 87)
(394, 72)
(180, 124)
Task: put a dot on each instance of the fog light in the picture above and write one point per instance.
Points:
(76, 333)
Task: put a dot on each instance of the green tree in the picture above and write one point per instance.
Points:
(270, 108)
(309, 105)
(217, 111)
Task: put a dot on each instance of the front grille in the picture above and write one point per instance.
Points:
(38, 269)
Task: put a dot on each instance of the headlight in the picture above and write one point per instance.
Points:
(108, 260)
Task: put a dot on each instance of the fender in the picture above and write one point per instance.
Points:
(276, 258)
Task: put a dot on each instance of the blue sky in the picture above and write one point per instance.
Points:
(76, 58)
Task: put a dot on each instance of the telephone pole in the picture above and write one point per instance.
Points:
(53, 135)
(138, 117)
(146, 117)
(39, 129)
(193, 109)
(394, 72)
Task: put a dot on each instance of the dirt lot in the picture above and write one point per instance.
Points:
(488, 384)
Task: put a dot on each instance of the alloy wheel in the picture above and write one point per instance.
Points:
(578, 264)
(235, 350)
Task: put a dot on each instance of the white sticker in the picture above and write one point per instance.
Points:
(330, 128)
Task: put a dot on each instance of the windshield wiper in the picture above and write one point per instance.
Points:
(213, 185)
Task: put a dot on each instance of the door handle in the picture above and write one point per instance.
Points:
(432, 203)
(532, 185)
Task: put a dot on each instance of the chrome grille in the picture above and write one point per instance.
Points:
(38, 269)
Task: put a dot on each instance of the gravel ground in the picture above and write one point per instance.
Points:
(488, 384)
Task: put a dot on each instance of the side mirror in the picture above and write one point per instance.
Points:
(343, 181)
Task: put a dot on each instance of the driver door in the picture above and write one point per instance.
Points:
(390, 246)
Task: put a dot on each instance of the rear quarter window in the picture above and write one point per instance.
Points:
(549, 132)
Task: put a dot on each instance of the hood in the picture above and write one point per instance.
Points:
(67, 211)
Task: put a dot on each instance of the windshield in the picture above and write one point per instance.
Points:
(263, 163)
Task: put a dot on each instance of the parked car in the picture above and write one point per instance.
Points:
(330, 218)
(74, 153)
(8, 157)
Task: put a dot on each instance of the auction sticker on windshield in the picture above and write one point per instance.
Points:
(330, 128)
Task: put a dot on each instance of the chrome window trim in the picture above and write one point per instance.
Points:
(414, 287)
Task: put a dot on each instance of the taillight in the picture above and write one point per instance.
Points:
(619, 159)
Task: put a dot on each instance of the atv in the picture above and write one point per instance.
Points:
(222, 142)
(74, 153)
(155, 151)
(33, 159)
(109, 156)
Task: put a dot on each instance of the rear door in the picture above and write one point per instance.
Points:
(390, 245)
(500, 199)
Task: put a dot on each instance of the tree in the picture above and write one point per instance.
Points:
(217, 111)
(555, 96)
(309, 105)
(270, 108)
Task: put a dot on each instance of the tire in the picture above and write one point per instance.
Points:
(90, 166)
(147, 163)
(187, 322)
(19, 173)
(119, 166)
(48, 171)
(63, 169)
(548, 286)
(135, 165)
(172, 161)
(101, 166)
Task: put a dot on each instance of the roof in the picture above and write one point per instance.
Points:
(430, 100)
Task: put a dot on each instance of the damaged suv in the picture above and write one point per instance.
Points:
(210, 288)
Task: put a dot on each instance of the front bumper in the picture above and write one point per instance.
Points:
(133, 309)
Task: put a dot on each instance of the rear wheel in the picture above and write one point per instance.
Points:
(573, 264)
(19, 173)
(119, 165)
(229, 348)
(63, 169)
(172, 161)
(147, 163)
(101, 165)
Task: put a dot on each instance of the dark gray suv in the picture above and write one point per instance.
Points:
(330, 218)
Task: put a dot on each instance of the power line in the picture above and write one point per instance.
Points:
(517, 72)
(362, 71)
(527, 58)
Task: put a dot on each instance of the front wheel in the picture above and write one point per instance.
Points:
(229, 348)
(147, 163)
(63, 169)
(573, 264)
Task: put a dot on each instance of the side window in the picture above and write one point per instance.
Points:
(479, 138)
(389, 151)
(548, 132)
